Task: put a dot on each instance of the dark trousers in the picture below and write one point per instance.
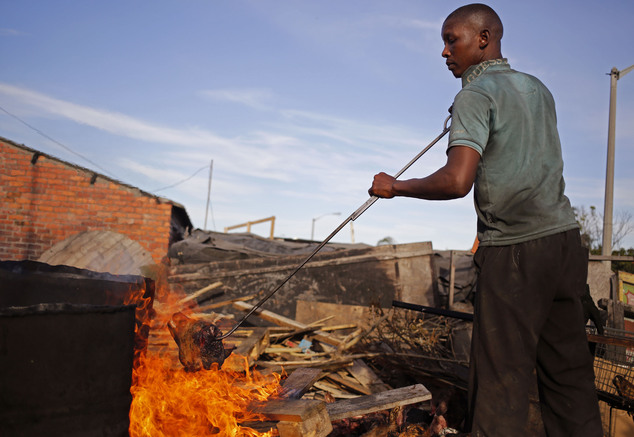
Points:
(528, 316)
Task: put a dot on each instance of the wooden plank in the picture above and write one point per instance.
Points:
(215, 305)
(283, 336)
(611, 258)
(377, 402)
(203, 291)
(334, 390)
(616, 341)
(366, 376)
(299, 382)
(616, 314)
(305, 311)
(250, 343)
(349, 383)
(317, 425)
(452, 279)
(338, 327)
(289, 410)
(279, 320)
(191, 272)
(329, 365)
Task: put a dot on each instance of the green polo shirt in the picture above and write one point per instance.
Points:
(509, 118)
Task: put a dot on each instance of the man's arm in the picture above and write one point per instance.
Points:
(452, 181)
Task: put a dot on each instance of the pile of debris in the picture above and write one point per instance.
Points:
(351, 363)
(401, 373)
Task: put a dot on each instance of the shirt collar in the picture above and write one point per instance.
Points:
(476, 70)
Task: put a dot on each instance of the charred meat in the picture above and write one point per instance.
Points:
(197, 340)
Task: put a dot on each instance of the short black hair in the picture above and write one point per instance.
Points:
(482, 15)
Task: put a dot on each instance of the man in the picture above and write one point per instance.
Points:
(532, 267)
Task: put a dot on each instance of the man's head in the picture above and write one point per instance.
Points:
(471, 34)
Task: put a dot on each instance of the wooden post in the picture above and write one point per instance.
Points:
(452, 278)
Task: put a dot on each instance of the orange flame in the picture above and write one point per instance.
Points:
(167, 401)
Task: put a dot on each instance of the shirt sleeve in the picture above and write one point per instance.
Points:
(470, 121)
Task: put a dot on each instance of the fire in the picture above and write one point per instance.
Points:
(168, 401)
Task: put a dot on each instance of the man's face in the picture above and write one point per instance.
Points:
(462, 46)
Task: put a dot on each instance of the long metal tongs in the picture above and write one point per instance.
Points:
(355, 215)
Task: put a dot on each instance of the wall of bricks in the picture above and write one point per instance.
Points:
(45, 202)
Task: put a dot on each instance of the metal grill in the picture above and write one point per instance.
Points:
(614, 367)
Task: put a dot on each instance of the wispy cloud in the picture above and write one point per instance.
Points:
(112, 122)
(300, 149)
(256, 98)
(11, 32)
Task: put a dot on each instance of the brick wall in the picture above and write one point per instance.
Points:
(46, 202)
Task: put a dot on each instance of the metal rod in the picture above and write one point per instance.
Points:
(435, 311)
(352, 217)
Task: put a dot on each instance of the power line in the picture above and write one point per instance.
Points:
(180, 182)
(59, 144)
(87, 159)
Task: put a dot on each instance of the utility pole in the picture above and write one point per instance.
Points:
(211, 169)
(606, 248)
(312, 230)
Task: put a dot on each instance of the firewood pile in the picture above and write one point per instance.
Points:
(398, 373)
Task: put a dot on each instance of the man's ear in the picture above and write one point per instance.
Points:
(484, 38)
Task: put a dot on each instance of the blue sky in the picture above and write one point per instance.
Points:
(298, 103)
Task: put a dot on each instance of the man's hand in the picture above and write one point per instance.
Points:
(452, 181)
(382, 186)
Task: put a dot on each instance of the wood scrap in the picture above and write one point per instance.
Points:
(321, 321)
(298, 417)
(279, 349)
(285, 321)
(334, 390)
(293, 410)
(299, 382)
(317, 425)
(367, 377)
(307, 311)
(215, 305)
(203, 291)
(338, 327)
(348, 383)
(359, 334)
(249, 343)
(380, 401)
(295, 332)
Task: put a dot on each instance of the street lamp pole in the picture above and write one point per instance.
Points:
(312, 231)
(606, 249)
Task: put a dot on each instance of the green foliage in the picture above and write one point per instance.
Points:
(623, 266)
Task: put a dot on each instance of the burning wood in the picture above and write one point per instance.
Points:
(197, 342)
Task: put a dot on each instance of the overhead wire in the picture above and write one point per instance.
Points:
(65, 147)
(68, 149)
(180, 182)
